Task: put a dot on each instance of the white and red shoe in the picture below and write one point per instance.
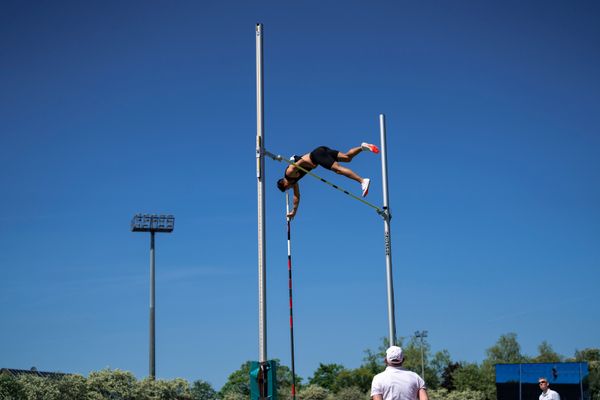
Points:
(369, 147)
(365, 186)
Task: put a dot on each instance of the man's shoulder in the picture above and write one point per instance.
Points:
(379, 375)
(399, 371)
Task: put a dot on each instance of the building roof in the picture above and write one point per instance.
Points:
(32, 371)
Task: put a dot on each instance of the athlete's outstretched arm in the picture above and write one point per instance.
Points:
(296, 201)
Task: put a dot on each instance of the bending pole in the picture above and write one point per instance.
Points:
(387, 216)
(289, 247)
(260, 175)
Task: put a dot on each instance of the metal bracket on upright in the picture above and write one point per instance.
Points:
(385, 214)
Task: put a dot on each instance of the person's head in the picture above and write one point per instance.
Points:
(394, 356)
(543, 382)
(283, 184)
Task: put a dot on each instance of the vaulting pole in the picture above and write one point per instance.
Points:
(387, 216)
(289, 247)
(262, 253)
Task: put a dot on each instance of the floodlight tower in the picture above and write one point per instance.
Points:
(152, 223)
(422, 335)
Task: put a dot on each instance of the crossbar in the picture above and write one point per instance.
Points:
(341, 189)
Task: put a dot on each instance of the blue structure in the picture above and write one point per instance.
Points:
(520, 381)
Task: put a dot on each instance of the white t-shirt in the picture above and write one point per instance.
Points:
(549, 395)
(396, 383)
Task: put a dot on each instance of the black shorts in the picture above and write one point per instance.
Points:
(324, 156)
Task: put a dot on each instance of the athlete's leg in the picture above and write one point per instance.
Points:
(347, 172)
(349, 155)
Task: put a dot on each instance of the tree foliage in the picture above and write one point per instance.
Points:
(202, 390)
(10, 389)
(446, 379)
(313, 392)
(177, 389)
(469, 376)
(349, 393)
(592, 357)
(101, 385)
(546, 354)
(506, 350)
(112, 384)
(238, 382)
(443, 394)
(38, 388)
(325, 375)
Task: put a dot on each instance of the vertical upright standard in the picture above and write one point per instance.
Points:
(264, 366)
(387, 216)
(152, 223)
(260, 177)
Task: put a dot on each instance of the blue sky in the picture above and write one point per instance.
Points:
(113, 108)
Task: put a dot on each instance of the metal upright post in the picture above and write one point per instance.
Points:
(262, 253)
(152, 360)
(260, 175)
(387, 216)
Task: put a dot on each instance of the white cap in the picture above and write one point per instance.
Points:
(394, 355)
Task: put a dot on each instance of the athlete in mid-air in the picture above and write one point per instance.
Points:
(327, 158)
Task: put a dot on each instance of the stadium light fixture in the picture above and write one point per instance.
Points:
(152, 223)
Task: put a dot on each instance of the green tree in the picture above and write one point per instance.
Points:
(176, 389)
(349, 393)
(506, 350)
(10, 388)
(546, 354)
(412, 354)
(447, 380)
(434, 367)
(360, 378)
(592, 357)
(238, 382)
(443, 394)
(439, 362)
(374, 360)
(202, 390)
(284, 382)
(469, 376)
(325, 376)
(234, 396)
(72, 387)
(313, 392)
(112, 384)
(38, 388)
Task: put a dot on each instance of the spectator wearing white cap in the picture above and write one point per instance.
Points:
(396, 383)
(547, 393)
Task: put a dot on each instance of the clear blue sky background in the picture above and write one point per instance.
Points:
(110, 108)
